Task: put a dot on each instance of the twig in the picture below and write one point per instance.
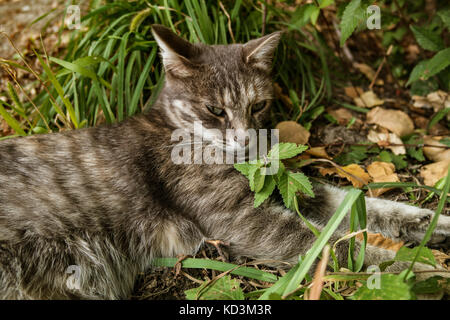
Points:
(380, 66)
(264, 18)
(230, 30)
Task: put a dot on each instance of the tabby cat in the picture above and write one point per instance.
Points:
(104, 201)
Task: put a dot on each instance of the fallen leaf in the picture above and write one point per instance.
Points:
(432, 173)
(382, 172)
(353, 92)
(436, 100)
(435, 154)
(385, 139)
(342, 115)
(291, 131)
(440, 257)
(378, 240)
(395, 121)
(353, 173)
(318, 152)
(368, 100)
(368, 72)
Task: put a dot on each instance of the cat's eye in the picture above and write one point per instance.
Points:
(258, 106)
(216, 111)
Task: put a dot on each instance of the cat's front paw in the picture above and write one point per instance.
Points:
(413, 226)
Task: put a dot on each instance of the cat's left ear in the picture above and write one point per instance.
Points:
(259, 52)
(177, 54)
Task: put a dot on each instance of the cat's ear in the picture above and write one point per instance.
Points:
(260, 51)
(176, 53)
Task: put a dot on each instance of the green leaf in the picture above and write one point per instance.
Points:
(392, 287)
(265, 192)
(444, 14)
(259, 180)
(13, 123)
(224, 288)
(427, 39)
(286, 150)
(353, 15)
(243, 168)
(445, 141)
(439, 62)
(418, 72)
(289, 183)
(407, 254)
(430, 285)
(325, 3)
(397, 160)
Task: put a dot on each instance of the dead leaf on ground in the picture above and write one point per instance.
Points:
(378, 240)
(384, 139)
(368, 100)
(353, 173)
(440, 257)
(432, 173)
(353, 92)
(435, 154)
(342, 115)
(436, 100)
(318, 152)
(291, 131)
(395, 121)
(368, 72)
(382, 172)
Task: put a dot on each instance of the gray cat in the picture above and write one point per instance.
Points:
(102, 202)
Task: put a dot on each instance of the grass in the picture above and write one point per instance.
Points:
(111, 70)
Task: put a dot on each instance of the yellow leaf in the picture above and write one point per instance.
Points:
(382, 172)
(353, 173)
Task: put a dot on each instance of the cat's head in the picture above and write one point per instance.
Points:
(223, 86)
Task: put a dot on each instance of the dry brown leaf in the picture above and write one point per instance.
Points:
(353, 92)
(353, 173)
(382, 172)
(342, 115)
(436, 100)
(440, 257)
(291, 131)
(318, 152)
(384, 139)
(368, 100)
(432, 173)
(435, 154)
(368, 72)
(378, 240)
(395, 121)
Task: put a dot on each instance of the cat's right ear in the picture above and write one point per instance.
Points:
(176, 53)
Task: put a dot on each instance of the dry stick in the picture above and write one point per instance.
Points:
(380, 66)
(229, 21)
(264, 18)
(317, 284)
(407, 145)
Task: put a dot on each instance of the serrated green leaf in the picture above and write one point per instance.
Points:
(430, 285)
(407, 254)
(251, 177)
(243, 168)
(259, 180)
(265, 192)
(286, 150)
(427, 39)
(392, 287)
(418, 72)
(352, 16)
(428, 68)
(224, 288)
(290, 183)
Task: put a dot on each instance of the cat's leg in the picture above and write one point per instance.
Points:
(392, 219)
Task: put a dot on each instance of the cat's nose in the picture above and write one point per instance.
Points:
(243, 143)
